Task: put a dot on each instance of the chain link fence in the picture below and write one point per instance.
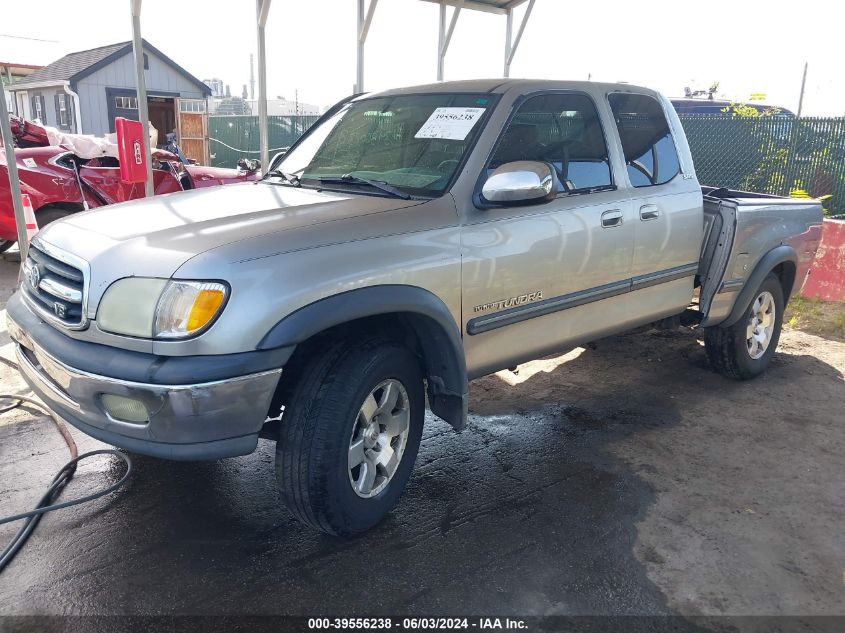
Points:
(777, 155)
(234, 137)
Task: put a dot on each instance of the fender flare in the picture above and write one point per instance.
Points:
(775, 257)
(442, 348)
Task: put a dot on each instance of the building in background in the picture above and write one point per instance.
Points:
(283, 107)
(10, 73)
(83, 92)
(230, 106)
(216, 86)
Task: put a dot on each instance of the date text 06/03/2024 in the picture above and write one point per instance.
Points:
(415, 624)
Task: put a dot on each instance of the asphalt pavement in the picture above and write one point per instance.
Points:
(621, 479)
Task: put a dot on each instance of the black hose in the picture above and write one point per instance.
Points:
(65, 474)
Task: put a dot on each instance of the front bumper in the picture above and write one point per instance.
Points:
(205, 420)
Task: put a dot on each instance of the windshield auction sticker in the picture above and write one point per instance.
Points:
(450, 123)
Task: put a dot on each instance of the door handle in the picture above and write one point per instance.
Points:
(649, 212)
(612, 218)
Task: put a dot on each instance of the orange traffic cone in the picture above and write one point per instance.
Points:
(29, 216)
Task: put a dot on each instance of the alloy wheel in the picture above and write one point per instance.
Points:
(761, 324)
(378, 438)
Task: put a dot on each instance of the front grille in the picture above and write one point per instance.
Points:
(55, 287)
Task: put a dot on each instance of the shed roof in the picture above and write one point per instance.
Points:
(75, 66)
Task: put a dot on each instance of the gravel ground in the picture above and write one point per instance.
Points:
(625, 478)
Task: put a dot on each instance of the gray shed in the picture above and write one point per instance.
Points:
(83, 92)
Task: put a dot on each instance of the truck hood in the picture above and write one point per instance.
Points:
(154, 237)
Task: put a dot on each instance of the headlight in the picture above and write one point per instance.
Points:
(129, 306)
(160, 308)
(186, 307)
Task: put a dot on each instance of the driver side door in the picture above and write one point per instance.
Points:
(537, 277)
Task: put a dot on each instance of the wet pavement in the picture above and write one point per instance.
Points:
(518, 514)
(625, 479)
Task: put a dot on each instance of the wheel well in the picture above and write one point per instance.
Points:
(785, 271)
(419, 333)
(70, 207)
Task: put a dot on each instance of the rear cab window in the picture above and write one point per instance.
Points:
(650, 154)
(563, 130)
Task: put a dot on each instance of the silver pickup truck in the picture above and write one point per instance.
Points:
(410, 241)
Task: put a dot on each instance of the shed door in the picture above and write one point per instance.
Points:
(193, 129)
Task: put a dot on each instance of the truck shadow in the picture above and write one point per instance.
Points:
(528, 511)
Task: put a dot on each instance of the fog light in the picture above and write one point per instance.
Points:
(125, 409)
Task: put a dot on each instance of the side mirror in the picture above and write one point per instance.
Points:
(277, 159)
(520, 182)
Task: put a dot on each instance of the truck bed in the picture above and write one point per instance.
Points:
(740, 227)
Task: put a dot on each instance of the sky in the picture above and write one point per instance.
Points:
(749, 47)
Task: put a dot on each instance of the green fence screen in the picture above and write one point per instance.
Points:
(778, 155)
(234, 137)
(783, 156)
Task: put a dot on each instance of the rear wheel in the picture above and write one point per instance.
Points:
(350, 434)
(6, 245)
(744, 350)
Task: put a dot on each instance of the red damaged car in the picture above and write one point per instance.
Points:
(59, 182)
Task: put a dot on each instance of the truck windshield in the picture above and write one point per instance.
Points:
(413, 143)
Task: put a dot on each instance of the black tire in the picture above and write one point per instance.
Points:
(727, 348)
(6, 245)
(317, 426)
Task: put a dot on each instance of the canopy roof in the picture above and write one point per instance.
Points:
(490, 6)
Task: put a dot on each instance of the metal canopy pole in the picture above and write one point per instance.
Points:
(12, 167)
(508, 39)
(446, 36)
(262, 8)
(510, 49)
(363, 29)
(143, 111)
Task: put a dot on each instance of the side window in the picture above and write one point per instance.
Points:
(650, 153)
(37, 108)
(563, 130)
(62, 111)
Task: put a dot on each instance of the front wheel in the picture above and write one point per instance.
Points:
(744, 350)
(350, 434)
(6, 245)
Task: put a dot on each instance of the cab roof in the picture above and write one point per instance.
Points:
(502, 86)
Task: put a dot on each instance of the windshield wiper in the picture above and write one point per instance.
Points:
(349, 179)
(291, 178)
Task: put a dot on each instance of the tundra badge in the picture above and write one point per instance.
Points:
(510, 302)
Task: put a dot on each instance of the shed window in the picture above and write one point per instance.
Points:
(191, 105)
(62, 112)
(37, 104)
(126, 103)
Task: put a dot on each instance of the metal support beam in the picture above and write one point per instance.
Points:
(262, 10)
(143, 111)
(445, 36)
(365, 19)
(9, 81)
(510, 48)
(12, 168)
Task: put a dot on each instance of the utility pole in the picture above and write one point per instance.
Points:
(251, 78)
(801, 98)
(789, 175)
